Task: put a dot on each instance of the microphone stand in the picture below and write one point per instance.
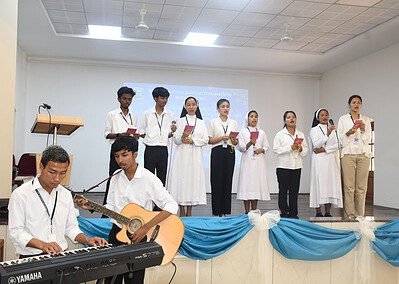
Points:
(101, 182)
(339, 144)
(47, 108)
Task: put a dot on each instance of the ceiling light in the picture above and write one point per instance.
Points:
(105, 32)
(286, 36)
(142, 26)
(200, 39)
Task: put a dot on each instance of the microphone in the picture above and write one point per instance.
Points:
(336, 134)
(46, 106)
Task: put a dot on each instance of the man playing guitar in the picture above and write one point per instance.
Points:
(134, 184)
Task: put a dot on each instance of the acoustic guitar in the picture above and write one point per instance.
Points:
(168, 233)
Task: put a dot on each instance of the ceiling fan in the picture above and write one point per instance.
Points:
(286, 36)
(142, 26)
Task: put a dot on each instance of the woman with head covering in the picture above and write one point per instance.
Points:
(290, 146)
(325, 174)
(186, 182)
(252, 179)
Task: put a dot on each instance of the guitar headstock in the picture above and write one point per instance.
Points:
(74, 194)
(70, 190)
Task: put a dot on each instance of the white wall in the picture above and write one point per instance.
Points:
(8, 55)
(88, 90)
(20, 104)
(375, 78)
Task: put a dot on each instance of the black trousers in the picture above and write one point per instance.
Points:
(113, 166)
(222, 168)
(137, 277)
(288, 183)
(156, 161)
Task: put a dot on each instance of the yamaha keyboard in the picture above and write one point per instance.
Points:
(81, 265)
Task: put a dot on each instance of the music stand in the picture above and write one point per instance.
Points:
(56, 125)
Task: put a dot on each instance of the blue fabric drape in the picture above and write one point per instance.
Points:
(298, 239)
(208, 237)
(386, 242)
(95, 227)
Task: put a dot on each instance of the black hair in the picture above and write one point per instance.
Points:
(125, 90)
(285, 116)
(221, 101)
(354, 97)
(128, 143)
(316, 120)
(56, 154)
(197, 112)
(251, 111)
(160, 92)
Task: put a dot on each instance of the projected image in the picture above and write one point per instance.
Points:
(207, 97)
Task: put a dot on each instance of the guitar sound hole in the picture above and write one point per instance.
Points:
(134, 225)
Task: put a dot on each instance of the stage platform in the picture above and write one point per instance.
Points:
(305, 213)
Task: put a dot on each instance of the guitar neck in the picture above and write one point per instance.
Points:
(107, 212)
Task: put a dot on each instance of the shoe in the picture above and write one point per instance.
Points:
(293, 217)
(327, 215)
(284, 215)
(319, 215)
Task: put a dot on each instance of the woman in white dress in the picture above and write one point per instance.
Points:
(186, 181)
(325, 174)
(252, 180)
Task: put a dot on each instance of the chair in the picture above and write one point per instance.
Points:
(14, 170)
(26, 168)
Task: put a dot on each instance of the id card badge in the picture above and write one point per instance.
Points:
(52, 238)
(224, 144)
(160, 138)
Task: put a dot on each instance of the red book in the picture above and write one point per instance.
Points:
(254, 135)
(233, 134)
(357, 123)
(188, 129)
(131, 130)
(298, 141)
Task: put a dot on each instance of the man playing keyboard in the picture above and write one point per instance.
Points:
(42, 212)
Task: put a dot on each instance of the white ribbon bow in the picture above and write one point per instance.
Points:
(366, 234)
(265, 221)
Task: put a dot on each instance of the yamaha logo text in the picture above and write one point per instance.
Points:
(25, 278)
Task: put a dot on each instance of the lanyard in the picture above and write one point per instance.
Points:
(322, 130)
(124, 118)
(250, 130)
(225, 129)
(195, 124)
(352, 118)
(159, 124)
(45, 207)
(356, 133)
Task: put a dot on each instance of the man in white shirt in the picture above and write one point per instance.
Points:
(42, 213)
(156, 128)
(120, 122)
(134, 184)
